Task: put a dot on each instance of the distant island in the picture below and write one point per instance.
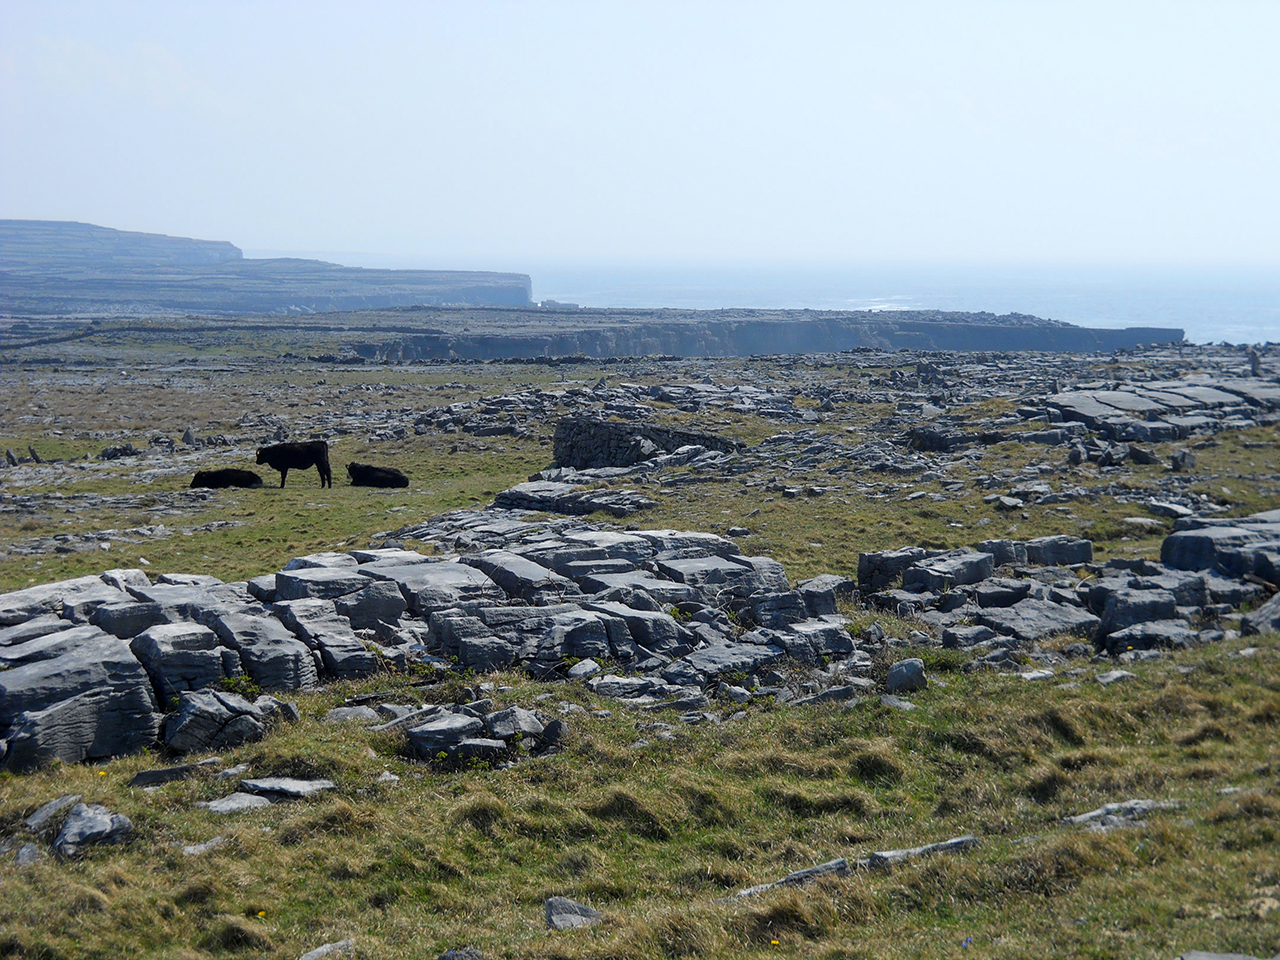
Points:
(63, 268)
(54, 276)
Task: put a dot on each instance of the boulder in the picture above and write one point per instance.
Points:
(379, 602)
(881, 569)
(443, 734)
(1153, 635)
(269, 652)
(437, 585)
(944, 571)
(127, 618)
(906, 676)
(318, 624)
(565, 914)
(1265, 619)
(183, 656)
(323, 583)
(512, 722)
(521, 578)
(1030, 620)
(88, 824)
(90, 702)
(1127, 606)
(214, 720)
(1059, 551)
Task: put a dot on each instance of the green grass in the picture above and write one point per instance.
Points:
(656, 837)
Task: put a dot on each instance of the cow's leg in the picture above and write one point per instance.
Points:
(284, 474)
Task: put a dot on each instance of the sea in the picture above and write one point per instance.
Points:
(1212, 305)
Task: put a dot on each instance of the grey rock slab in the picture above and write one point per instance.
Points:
(92, 702)
(378, 602)
(437, 585)
(41, 820)
(319, 582)
(328, 559)
(816, 640)
(1005, 552)
(33, 629)
(286, 788)
(22, 605)
(906, 676)
(182, 656)
(1059, 551)
(347, 714)
(335, 949)
(198, 849)
(1114, 676)
(881, 569)
(28, 854)
(519, 577)
(614, 546)
(270, 653)
(684, 543)
(318, 624)
(664, 591)
(390, 556)
(832, 868)
(962, 637)
(1126, 809)
(730, 658)
(235, 803)
(442, 733)
(1265, 619)
(1126, 607)
(1157, 634)
(127, 618)
(894, 702)
(512, 722)
(714, 576)
(49, 646)
(565, 914)
(213, 719)
(583, 669)
(1002, 592)
(1030, 620)
(191, 602)
(88, 824)
(890, 858)
(942, 572)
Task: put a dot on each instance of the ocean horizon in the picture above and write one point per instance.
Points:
(1211, 306)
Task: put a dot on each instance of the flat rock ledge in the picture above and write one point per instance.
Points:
(682, 617)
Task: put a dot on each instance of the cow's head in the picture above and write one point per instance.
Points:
(262, 455)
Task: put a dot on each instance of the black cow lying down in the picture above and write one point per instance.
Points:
(226, 477)
(298, 456)
(363, 475)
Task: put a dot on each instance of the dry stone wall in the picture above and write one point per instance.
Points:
(586, 443)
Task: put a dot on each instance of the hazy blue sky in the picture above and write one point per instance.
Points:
(507, 135)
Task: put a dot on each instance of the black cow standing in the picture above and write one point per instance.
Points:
(298, 456)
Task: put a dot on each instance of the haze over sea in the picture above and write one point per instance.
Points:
(1212, 304)
(1238, 305)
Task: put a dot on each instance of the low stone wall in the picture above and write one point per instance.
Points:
(585, 443)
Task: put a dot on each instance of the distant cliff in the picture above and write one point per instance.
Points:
(76, 269)
(489, 335)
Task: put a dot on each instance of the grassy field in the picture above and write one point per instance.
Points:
(655, 836)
